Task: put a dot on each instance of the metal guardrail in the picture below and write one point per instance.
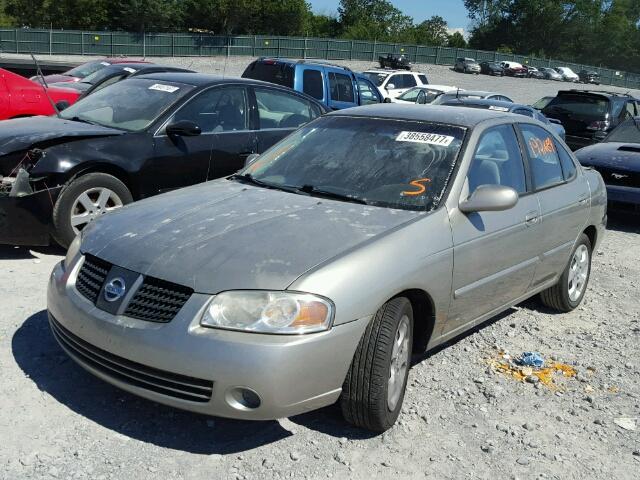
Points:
(72, 42)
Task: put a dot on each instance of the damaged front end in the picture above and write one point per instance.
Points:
(26, 204)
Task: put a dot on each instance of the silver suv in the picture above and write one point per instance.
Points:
(466, 65)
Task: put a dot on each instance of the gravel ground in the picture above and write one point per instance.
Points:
(461, 418)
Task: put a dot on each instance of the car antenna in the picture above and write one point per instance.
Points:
(44, 85)
(457, 92)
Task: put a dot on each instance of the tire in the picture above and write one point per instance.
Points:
(370, 398)
(94, 187)
(563, 296)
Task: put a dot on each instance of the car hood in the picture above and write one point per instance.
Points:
(612, 155)
(23, 133)
(224, 235)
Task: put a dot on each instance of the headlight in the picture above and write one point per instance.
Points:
(73, 250)
(268, 312)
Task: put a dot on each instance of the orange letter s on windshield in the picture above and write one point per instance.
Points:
(419, 185)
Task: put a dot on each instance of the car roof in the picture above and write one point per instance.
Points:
(116, 60)
(442, 88)
(494, 103)
(603, 93)
(390, 70)
(308, 61)
(478, 93)
(200, 79)
(465, 117)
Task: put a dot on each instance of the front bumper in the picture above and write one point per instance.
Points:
(26, 220)
(290, 374)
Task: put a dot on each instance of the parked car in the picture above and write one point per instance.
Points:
(492, 68)
(501, 106)
(313, 275)
(81, 71)
(395, 61)
(470, 94)
(466, 65)
(617, 158)
(114, 73)
(533, 72)
(589, 76)
(423, 94)
(334, 86)
(131, 140)
(551, 74)
(21, 97)
(567, 74)
(392, 84)
(543, 102)
(588, 116)
(514, 69)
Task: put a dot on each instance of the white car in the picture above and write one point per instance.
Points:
(568, 75)
(393, 83)
(422, 94)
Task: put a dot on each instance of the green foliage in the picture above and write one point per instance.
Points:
(456, 40)
(433, 31)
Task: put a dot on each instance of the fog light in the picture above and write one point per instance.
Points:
(242, 398)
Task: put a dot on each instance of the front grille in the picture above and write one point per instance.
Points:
(132, 373)
(157, 300)
(91, 277)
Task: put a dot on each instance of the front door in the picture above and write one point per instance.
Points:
(495, 253)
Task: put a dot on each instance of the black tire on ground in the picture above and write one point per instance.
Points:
(557, 296)
(63, 232)
(364, 393)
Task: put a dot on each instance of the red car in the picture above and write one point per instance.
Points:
(81, 71)
(514, 69)
(21, 97)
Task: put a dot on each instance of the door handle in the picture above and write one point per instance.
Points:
(583, 199)
(531, 218)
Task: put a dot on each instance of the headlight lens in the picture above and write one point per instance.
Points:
(73, 250)
(269, 312)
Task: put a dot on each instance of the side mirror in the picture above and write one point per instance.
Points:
(390, 86)
(183, 128)
(490, 198)
(61, 105)
(250, 159)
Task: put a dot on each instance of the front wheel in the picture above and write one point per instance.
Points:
(567, 294)
(374, 388)
(84, 199)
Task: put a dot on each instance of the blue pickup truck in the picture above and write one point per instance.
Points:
(333, 85)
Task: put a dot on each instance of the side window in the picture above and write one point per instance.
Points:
(312, 83)
(278, 109)
(406, 81)
(421, 98)
(631, 110)
(498, 161)
(367, 93)
(217, 110)
(410, 95)
(523, 111)
(545, 164)
(423, 79)
(341, 87)
(108, 82)
(568, 165)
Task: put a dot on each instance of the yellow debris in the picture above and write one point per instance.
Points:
(501, 364)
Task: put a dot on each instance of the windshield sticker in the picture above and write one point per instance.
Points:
(540, 148)
(419, 185)
(498, 109)
(421, 137)
(129, 69)
(164, 88)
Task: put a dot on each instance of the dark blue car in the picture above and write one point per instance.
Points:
(617, 158)
(502, 106)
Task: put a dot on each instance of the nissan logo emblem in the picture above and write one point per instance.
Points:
(114, 290)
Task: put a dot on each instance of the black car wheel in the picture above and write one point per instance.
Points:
(374, 388)
(84, 199)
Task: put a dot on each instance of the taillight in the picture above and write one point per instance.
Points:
(598, 125)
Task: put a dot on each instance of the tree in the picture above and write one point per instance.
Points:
(456, 40)
(433, 31)
(374, 19)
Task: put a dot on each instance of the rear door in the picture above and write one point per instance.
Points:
(277, 113)
(367, 92)
(564, 198)
(495, 253)
(342, 92)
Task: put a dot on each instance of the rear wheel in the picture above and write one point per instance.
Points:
(84, 199)
(374, 388)
(567, 294)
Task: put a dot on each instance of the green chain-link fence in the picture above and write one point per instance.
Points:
(69, 42)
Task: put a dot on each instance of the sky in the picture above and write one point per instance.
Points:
(452, 11)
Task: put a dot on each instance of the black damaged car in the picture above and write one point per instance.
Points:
(131, 140)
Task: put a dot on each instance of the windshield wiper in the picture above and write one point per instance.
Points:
(82, 120)
(311, 190)
(248, 178)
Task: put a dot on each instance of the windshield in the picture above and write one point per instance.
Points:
(97, 77)
(381, 162)
(130, 105)
(376, 78)
(627, 132)
(590, 106)
(87, 69)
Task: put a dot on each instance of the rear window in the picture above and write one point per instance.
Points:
(583, 105)
(272, 72)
